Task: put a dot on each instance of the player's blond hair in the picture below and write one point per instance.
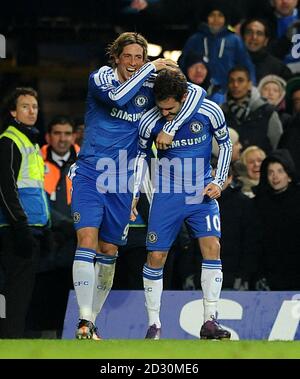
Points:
(116, 48)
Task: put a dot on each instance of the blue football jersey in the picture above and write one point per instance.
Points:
(187, 161)
(114, 110)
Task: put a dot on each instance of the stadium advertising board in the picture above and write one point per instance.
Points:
(248, 315)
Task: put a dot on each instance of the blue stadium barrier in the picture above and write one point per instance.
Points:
(248, 315)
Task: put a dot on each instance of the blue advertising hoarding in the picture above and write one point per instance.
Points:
(248, 315)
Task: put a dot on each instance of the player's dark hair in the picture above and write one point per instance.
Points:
(170, 83)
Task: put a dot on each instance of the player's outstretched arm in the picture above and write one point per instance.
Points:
(103, 87)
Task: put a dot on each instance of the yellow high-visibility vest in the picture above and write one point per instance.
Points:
(30, 181)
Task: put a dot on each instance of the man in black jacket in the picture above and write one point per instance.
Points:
(249, 114)
(24, 212)
(255, 33)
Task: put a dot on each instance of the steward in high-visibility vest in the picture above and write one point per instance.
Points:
(30, 180)
(24, 211)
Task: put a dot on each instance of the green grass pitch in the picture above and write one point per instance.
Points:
(137, 349)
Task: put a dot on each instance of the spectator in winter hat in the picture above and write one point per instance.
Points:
(272, 88)
(220, 48)
(276, 200)
(197, 72)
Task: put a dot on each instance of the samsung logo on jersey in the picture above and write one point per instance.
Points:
(188, 141)
(123, 115)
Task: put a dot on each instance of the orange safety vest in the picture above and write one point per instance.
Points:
(52, 175)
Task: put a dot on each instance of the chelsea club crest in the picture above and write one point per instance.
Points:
(140, 100)
(196, 127)
(152, 237)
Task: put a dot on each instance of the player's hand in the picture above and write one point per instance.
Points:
(162, 63)
(163, 140)
(134, 212)
(212, 190)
